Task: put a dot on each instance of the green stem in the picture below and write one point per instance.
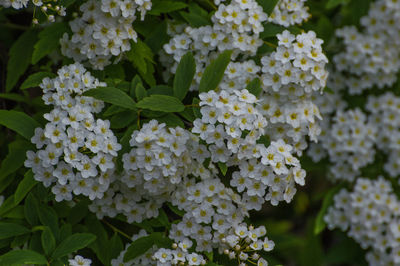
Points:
(116, 229)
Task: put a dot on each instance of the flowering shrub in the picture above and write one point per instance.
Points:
(196, 132)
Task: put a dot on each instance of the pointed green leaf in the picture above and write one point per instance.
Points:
(140, 55)
(141, 245)
(214, 72)
(35, 79)
(72, 244)
(49, 39)
(24, 187)
(9, 230)
(48, 241)
(140, 92)
(268, 5)
(171, 120)
(20, 122)
(328, 200)
(184, 75)
(166, 6)
(161, 103)
(113, 96)
(15, 157)
(254, 87)
(20, 257)
(20, 58)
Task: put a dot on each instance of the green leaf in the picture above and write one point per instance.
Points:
(123, 119)
(254, 87)
(171, 120)
(115, 71)
(164, 6)
(328, 200)
(158, 37)
(267, 5)
(48, 241)
(73, 243)
(24, 187)
(214, 72)
(138, 247)
(15, 157)
(49, 39)
(140, 55)
(113, 96)
(20, 58)
(115, 246)
(48, 217)
(223, 168)
(135, 81)
(176, 210)
(35, 79)
(140, 92)
(195, 20)
(271, 30)
(184, 75)
(9, 230)
(141, 245)
(20, 122)
(163, 219)
(161, 90)
(20, 257)
(7, 205)
(188, 114)
(14, 97)
(30, 209)
(161, 103)
(77, 213)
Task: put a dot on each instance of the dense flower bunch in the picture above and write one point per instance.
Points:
(161, 157)
(370, 213)
(349, 141)
(76, 151)
(103, 31)
(371, 56)
(232, 125)
(166, 165)
(236, 26)
(385, 113)
(49, 8)
(244, 242)
(289, 12)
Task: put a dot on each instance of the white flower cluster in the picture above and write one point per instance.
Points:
(145, 259)
(245, 241)
(371, 56)
(385, 114)
(160, 158)
(76, 151)
(169, 165)
(79, 261)
(211, 209)
(179, 255)
(232, 125)
(45, 7)
(371, 214)
(289, 12)
(104, 30)
(348, 139)
(236, 26)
